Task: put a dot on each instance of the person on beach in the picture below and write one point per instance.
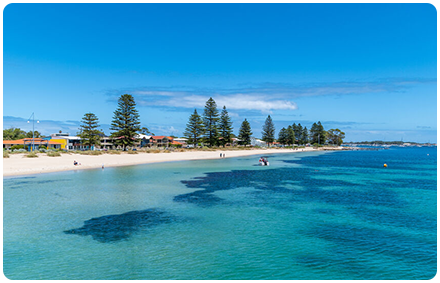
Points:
(75, 163)
(220, 155)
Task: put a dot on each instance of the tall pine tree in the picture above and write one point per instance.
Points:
(194, 129)
(125, 124)
(225, 127)
(317, 133)
(290, 135)
(268, 131)
(245, 133)
(89, 132)
(314, 133)
(304, 136)
(210, 119)
(298, 133)
(283, 136)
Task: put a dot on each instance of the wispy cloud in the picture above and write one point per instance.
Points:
(192, 99)
(264, 97)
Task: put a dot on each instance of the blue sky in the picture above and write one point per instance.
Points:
(367, 69)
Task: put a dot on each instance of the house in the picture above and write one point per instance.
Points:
(144, 140)
(257, 142)
(107, 143)
(176, 144)
(235, 141)
(183, 141)
(75, 143)
(28, 142)
(68, 142)
(158, 141)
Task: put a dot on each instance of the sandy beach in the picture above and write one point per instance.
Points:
(18, 164)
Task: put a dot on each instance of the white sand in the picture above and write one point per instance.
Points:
(18, 164)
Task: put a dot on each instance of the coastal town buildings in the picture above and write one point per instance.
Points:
(160, 141)
(65, 141)
(27, 143)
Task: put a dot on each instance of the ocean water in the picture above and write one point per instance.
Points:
(318, 215)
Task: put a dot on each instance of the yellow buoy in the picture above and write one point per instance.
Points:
(385, 165)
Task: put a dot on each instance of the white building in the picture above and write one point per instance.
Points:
(257, 142)
(68, 142)
(183, 141)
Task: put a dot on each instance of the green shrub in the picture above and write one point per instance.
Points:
(90, 152)
(31, 155)
(113, 151)
(53, 153)
(205, 148)
(5, 154)
(17, 146)
(132, 152)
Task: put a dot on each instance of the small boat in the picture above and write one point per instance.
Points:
(263, 161)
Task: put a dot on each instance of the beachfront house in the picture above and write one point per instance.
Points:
(28, 142)
(158, 141)
(235, 141)
(180, 142)
(68, 142)
(143, 140)
(107, 143)
(257, 142)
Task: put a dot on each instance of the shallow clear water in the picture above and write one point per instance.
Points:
(334, 215)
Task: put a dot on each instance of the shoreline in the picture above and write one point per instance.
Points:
(18, 165)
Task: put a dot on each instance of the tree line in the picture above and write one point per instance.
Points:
(212, 128)
(297, 134)
(216, 129)
(125, 125)
(18, 134)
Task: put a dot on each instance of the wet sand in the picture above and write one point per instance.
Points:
(18, 164)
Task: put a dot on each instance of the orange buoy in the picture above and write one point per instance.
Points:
(385, 165)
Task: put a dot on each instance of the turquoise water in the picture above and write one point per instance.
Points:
(332, 215)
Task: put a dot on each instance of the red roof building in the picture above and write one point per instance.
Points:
(27, 143)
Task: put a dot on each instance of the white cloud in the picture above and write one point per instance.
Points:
(235, 102)
(251, 102)
(265, 97)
